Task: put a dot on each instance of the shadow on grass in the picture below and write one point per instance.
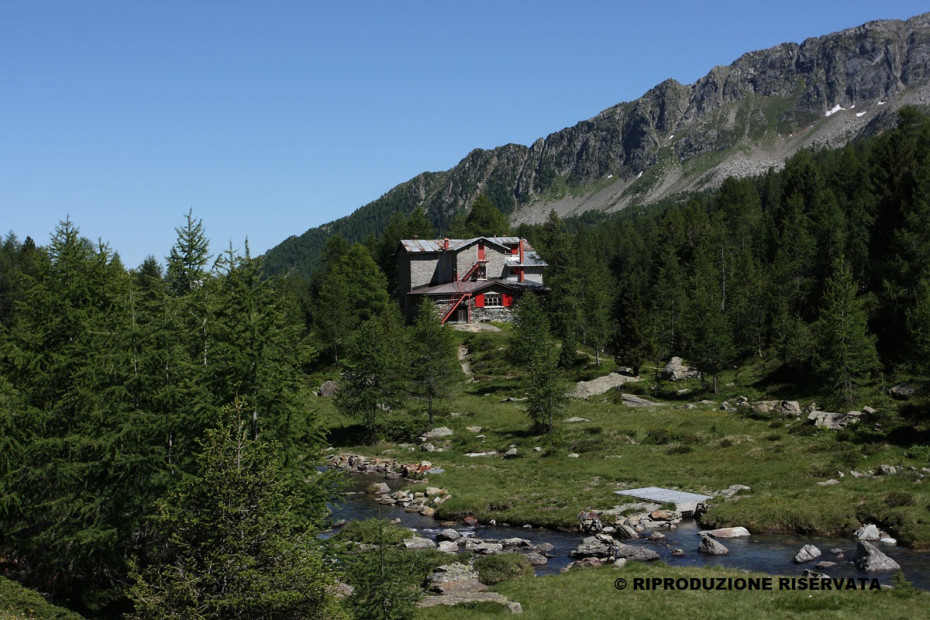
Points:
(348, 435)
(786, 383)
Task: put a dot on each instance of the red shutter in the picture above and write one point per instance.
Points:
(508, 300)
(479, 301)
(515, 249)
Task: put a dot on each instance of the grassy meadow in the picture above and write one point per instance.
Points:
(701, 449)
(590, 593)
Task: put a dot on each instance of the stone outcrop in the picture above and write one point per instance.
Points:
(871, 560)
(600, 385)
(833, 421)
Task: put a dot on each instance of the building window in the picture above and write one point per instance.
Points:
(482, 272)
(492, 300)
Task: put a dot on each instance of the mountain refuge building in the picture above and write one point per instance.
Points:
(469, 280)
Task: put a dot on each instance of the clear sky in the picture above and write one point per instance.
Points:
(268, 118)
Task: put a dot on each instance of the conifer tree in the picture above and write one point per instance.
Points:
(189, 257)
(709, 335)
(433, 356)
(530, 331)
(545, 402)
(846, 353)
(485, 219)
(231, 544)
(373, 374)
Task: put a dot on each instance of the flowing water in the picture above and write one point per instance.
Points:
(765, 554)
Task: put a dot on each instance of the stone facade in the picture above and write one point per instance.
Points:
(437, 269)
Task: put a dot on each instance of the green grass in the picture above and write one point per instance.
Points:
(17, 602)
(701, 450)
(591, 593)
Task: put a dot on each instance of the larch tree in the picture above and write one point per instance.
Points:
(433, 364)
(372, 378)
(231, 544)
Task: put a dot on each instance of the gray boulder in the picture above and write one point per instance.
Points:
(727, 532)
(676, 370)
(438, 433)
(329, 389)
(536, 559)
(591, 547)
(455, 578)
(448, 534)
(902, 391)
(419, 543)
(833, 421)
(712, 547)
(867, 532)
(631, 400)
(806, 554)
(636, 553)
(871, 560)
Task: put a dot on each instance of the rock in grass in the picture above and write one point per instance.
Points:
(871, 560)
(455, 578)
(536, 559)
(419, 543)
(806, 554)
(712, 547)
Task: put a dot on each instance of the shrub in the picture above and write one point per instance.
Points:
(493, 569)
(373, 531)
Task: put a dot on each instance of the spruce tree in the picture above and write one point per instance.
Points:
(846, 353)
(189, 257)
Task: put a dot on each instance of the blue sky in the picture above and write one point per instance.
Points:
(268, 118)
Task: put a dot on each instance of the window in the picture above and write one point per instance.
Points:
(482, 272)
(492, 300)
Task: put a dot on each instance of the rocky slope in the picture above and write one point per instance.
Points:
(737, 120)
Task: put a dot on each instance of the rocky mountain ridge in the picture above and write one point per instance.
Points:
(738, 120)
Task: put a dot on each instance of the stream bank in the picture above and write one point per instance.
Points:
(771, 554)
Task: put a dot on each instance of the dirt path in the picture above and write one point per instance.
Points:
(463, 355)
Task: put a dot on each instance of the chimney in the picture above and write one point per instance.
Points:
(522, 268)
(445, 243)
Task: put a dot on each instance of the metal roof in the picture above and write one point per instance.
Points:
(437, 245)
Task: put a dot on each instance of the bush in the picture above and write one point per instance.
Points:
(373, 531)
(664, 436)
(493, 569)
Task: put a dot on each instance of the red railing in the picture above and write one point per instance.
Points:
(461, 295)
